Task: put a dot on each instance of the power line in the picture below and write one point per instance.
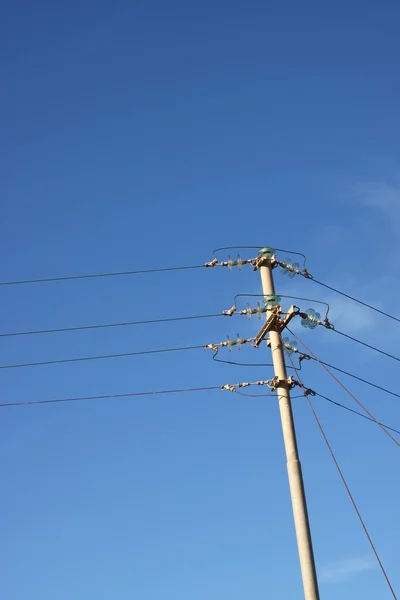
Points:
(378, 387)
(95, 275)
(306, 393)
(129, 395)
(354, 411)
(86, 358)
(121, 273)
(357, 377)
(366, 345)
(105, 325)
(255, 395)
(110, 396)
(382, 312)
(345, 389)
(351, 497)
(238, 364)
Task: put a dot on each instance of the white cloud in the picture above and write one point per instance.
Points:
(348, 316)
(339, 571)
(382, 196)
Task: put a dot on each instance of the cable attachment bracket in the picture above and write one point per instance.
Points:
(270, 323)
(276, 383)
(307, 391)
(264, 260)
(303, 357)
(275, 322)
(292, 312)
(213, 347)
(212, 263)
(229, 312)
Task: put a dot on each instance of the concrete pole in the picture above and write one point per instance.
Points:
(304, 543)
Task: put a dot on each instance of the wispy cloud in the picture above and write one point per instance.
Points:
(339, 571)
(382, 196)
(348, 316)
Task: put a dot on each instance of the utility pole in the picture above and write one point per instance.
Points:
(303, 534)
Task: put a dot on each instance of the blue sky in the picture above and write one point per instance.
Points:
(138, 135)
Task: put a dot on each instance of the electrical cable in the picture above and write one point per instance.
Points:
(345, 388)
(351, 498)
(254, 395)
(105, 325)
(87, 358)
(238, 364)
(382, 312)
(127, 395)
(365, 344)
(299, 367)
(264, 395)
(95, 275)
(306, 394)
(109, 396)
(354, 411)
(378, 387)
